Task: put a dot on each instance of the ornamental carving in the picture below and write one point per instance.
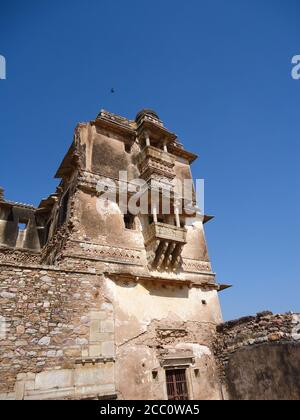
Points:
(195, 266)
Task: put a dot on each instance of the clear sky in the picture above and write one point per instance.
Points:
(218, 72)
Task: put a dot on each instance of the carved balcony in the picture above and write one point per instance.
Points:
(164, 244)
(156, 164)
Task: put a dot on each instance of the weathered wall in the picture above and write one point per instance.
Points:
(54, 320)
(103, 152)
(72, 334)
(196, 247)
(98, 318)
(259, 357)
(103, 223)
(155, 321)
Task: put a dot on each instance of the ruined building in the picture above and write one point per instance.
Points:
(97, 303)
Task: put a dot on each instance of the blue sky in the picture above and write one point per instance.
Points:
(217, 72)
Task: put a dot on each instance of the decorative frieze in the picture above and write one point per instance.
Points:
(111, 252)
(195, 266)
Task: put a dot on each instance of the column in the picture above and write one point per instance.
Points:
(154, 214)
(148, 142)
(177, 217)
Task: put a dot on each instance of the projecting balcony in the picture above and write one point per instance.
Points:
(164, 232)
(164, 244)
(156, 163)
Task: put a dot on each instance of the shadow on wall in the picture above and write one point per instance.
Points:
(19, 229)
(265, 372)
(168, 291)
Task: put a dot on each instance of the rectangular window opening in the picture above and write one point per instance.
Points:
(129, 221)
(177, 385)
(22, 226)
(182, 223)
(155, 375)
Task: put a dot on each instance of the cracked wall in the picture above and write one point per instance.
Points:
(88, 315)
(155, 322)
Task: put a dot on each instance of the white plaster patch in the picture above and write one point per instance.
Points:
(198, 351)
(53, 379)
(2, 328)
(296, 328)
(156, 302)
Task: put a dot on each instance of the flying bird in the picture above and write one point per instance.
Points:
(112, 90)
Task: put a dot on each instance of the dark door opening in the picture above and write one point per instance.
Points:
(177, 385)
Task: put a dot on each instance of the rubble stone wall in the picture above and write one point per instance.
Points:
(57, 331)
(76, 334)
(259, 357)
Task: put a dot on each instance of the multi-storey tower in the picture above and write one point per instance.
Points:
(123, 303)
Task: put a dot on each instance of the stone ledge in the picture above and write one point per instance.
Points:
(45, 268)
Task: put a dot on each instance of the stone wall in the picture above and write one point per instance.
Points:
(259, 357)
(76, 334)
(58, 334)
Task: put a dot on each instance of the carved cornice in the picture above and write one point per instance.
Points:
(165, 279)
(116, 123)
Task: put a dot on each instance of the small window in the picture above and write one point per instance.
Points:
(182, 223)
(129, 220)
(127, 148)
(22, 226)
(155, 375)
(177, 385)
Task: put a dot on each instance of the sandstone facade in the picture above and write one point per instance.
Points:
(101, 304)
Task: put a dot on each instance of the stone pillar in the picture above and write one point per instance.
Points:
(154, 214)
(20, 387)
(177, 217)
(1, 193)
(148, 142)
(165, 147)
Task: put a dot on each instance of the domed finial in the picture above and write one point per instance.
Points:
(146, 113)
